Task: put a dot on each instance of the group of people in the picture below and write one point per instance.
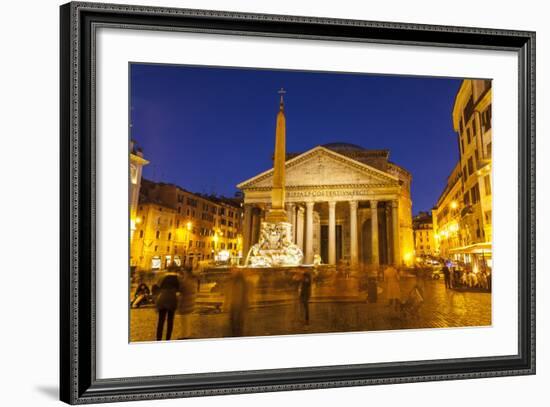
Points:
(457, 278)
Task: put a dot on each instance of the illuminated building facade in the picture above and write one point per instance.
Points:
(176, 225)
(136, 167)
(424, 243)
(343, 201)
(463, 214)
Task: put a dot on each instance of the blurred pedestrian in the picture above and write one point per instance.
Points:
(305, 294)
(393, 287)
(447, 275)
(167, 301)
(186, 303)
(238, 302)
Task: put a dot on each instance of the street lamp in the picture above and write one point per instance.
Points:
(189, 226)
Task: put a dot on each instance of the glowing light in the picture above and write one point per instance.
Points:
(189, 225)
(454, 204)
(453, 227)
(138, 220)
(407, 256)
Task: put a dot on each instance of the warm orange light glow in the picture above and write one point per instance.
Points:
(454, 204)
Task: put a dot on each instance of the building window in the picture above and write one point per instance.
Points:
(157, 236)
(464, 172)
(487, 181)
(169, 235)
(462, 144)
(467, 198)
(156, 248)
(468, 136)
(475, 193)
(190, 243)
(141, 234)
(468, 109)
(470, 166)
(486, 119)
(489, 150)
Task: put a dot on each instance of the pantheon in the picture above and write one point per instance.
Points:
(344, 202)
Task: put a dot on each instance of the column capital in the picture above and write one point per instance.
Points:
(290, 205)
(300, 209)
(394, 203)
(353, 204)
(373, 203)
(331, 204)
(310, 204)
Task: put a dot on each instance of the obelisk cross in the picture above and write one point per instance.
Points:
(282, 92)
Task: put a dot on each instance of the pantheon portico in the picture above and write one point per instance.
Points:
(343, 201)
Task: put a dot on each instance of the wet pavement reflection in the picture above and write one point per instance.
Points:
(246, 305)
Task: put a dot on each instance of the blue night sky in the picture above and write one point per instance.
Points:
(207, 129)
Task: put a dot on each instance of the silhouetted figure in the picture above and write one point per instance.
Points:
(305, 294)
(167, 302)
(238, 302)
(447, 275)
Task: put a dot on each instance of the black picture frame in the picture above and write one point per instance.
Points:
(78, 382)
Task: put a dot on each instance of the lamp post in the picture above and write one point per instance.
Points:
(189, 226)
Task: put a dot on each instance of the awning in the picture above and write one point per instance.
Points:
(477, 248)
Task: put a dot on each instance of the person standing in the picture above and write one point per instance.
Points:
(305, 294)
(167, 302)
(393, 287)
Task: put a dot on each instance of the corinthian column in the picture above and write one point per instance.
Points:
(353, 232)
(332, 233)
(309, 233)
(291, 215)
(395, 230)
(374, 232)
(300, 227)
(247, 226)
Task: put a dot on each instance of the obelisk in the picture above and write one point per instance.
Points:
(277, 212)
(275, 247)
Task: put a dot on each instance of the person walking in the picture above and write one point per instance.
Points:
(186, 304)
(167, 301)
(393, 287)
(305, 294)
(238, 301)
(447, 275)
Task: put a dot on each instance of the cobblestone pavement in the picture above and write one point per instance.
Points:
(441, 308)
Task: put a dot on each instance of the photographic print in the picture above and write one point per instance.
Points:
(277, 202)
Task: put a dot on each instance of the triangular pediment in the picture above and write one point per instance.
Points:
(321, 166)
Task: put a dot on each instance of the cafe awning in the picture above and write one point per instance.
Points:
(476, 248)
